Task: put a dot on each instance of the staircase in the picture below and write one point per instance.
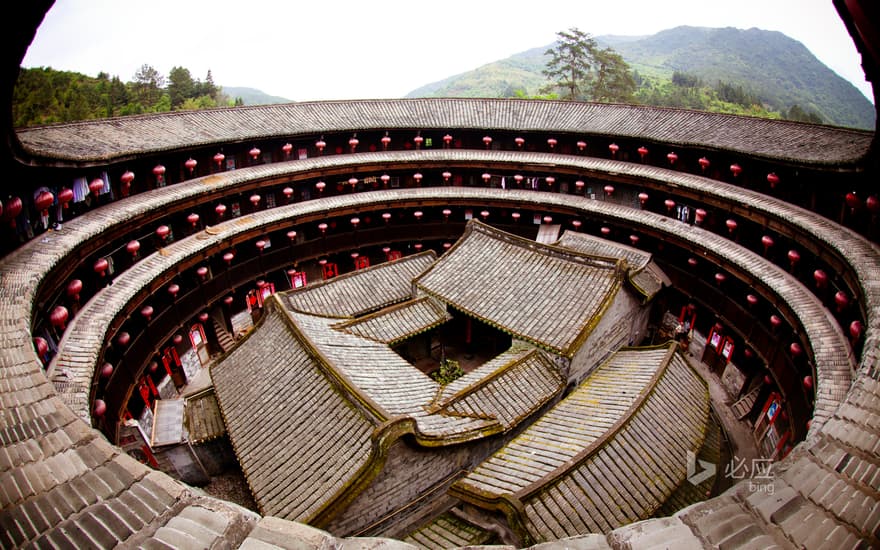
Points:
(745, 403)
(223, 337)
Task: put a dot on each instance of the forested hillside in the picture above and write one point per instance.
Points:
(754, 72)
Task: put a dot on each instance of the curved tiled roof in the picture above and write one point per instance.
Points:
(642, 273)
(599, 459)
(546, 295)
(300, 441)
(507, 388)
(397, 323)
(356, 293)
(120, 138)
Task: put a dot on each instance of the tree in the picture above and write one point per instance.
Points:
(569, 66)
(180, 86)
(614, 81)
(147, 86)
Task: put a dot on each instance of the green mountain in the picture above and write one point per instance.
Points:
(252, 96)
(777, 70)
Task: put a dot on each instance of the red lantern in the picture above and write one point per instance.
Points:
(704, 163)
(487, 141)
(101, 266)
(133, 247)
(255, 200)
(515, 216)
(808, 382)
(254, 153)
(613, 148)
(772, 179)
(126, 178)
(518, 178)
(202, 272)
(219, 158)
(100, 408)
(643, 152)
(446, 213)
(841, 300)
(386, 216)
(752, 300)
(158, 171)
(731, 225)
(672, 158)
(852, 200)
(173, 290)
(418, 141)
(609, 190)
(643, 198)
(484, 214)
(795, 349)
(385, 179)
(163, 231)
(548, 219)
(74, 287)
(386, 141)
(767, 379)
(323, 227)
(41, 345)
(855, 329)
(193, 219)
(59, 317)
(447, 139)
(65, 196)
(670, 204)
(418, 177)
(320, 145)
(699, 216)
(446, 176)
(203, 317)
(736, 170)
(288, 192)
(220, 209)
(147, 312)
(123, 339)
(228, 257)
(634, 239)
(552, 143)
(190, 164)
(418, 214)
(43, 201)
(287, 148)
(13, 209)
(353, 143)
(775, 321)
(177, 339)
(228, 300)
(692, 262)
(793, 257)
(605, 230)
(767, 241)
(720, 278)
(581, 145)
(486, 177)
(96, 186)
(873, 204)
(550, 180)
(320, 186)
(821, 278)
(519, 142)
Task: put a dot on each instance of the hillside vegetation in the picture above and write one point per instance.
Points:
(755, 72)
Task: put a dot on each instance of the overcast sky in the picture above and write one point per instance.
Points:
(350, 49)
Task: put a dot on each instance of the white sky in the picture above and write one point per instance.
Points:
(349, 49)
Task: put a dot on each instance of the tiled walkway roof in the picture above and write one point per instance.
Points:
(397, 323)
(360, 292)
(601, 458)
(123, 137)
(300, 441)
(65, 485)
(546, 295)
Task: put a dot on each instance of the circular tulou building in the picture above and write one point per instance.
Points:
(439, 323)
